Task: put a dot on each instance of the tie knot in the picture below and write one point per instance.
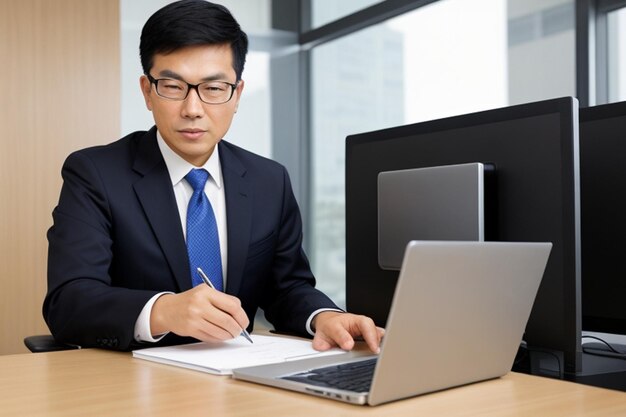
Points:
(197, 179)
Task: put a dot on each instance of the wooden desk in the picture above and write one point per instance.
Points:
(100, 383)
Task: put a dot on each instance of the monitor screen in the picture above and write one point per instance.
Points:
(534, 149)
(603, 217)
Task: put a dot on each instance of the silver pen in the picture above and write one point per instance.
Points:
(208, 282)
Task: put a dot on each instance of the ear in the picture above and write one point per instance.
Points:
(146, 89)
(238, 91)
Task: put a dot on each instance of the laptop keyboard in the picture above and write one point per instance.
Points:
(353, 376)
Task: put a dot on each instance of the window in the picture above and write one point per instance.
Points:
(616, 44)
(450, 57)
(541, 50)
(251, 128)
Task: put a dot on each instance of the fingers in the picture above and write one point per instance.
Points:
(215, 322)
(365, 328)
(232, 314)
(333, 337)
(220, 315)
(201, 312)
(340, 329)
(211, 332)
(370, 333)
(321, 343)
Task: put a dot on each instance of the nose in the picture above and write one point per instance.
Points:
(192, 105)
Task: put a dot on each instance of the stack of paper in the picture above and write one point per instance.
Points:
(222, 358)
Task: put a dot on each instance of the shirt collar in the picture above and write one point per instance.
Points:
(178, 167)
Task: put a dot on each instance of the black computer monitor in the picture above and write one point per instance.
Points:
(534, 148)
(603, 217)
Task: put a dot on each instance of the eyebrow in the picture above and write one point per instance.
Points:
(220, 76)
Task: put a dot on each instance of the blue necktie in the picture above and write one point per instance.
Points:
(203, 244)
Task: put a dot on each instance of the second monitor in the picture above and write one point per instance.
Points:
(534, 148)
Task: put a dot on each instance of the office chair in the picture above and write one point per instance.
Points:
(45, 343)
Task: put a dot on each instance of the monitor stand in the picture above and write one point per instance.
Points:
(600, 371)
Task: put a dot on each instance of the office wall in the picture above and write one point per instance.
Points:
(59, 78)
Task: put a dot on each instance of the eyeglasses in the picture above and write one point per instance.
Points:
(210, 92)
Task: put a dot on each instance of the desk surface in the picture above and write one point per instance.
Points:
(96, 382)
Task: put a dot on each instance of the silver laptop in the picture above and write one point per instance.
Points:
(457, 317)
(436, 203)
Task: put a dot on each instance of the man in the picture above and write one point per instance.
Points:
(125, 244)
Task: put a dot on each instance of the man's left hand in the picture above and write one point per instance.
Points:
(336, 329)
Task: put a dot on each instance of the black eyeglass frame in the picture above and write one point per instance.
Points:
(190, 87)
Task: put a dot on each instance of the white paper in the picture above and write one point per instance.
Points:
(222, 358)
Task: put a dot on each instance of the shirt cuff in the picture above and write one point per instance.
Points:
(315, 313)
(142, 325)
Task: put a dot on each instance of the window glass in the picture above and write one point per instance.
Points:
(616, 25)
(325, 11)
(541, 57)
(251, 128)
(450, 57)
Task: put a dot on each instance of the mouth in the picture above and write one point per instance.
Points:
(192, 133)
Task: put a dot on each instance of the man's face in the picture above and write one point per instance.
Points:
(190, 127)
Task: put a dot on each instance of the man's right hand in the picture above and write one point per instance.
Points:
(201, 312)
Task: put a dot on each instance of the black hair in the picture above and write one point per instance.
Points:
(192, 22)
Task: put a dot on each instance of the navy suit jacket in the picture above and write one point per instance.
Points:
(117, 240)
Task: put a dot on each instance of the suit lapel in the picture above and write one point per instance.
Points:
(238, 217)
(155, 193)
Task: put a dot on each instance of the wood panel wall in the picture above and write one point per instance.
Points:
(59, 91)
